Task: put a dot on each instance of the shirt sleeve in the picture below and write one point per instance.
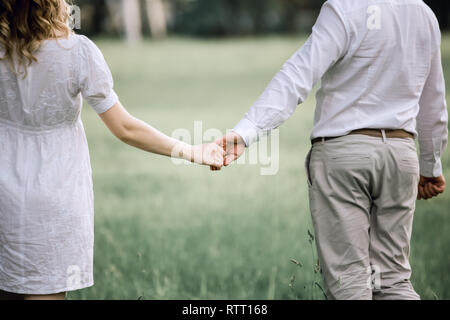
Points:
(432, 121)
(292, 85)
(96, 82)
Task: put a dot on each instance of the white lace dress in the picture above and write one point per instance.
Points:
(46, 194)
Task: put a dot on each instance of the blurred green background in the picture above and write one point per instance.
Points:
(183, 232)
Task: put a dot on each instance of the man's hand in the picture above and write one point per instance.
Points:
(430, 187)
(234, 147)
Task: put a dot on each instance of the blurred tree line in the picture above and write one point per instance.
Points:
(156, 18)
(136, 18)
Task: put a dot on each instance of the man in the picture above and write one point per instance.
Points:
(382, 86)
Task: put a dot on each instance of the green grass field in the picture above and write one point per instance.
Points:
(183, 232)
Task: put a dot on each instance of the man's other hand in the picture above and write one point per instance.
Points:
(430, 187)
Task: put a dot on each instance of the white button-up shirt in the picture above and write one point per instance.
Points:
(379, 62)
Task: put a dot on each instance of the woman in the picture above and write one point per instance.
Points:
(46, 197)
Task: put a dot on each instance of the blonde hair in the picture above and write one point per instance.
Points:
(25, 24)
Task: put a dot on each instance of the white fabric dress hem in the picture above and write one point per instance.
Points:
(18, 290)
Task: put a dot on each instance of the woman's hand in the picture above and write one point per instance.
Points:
(206, 154)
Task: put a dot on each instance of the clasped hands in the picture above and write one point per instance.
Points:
(221, 152)
(233, 147)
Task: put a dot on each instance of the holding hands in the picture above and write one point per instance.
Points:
(233, 147)
(209, 154)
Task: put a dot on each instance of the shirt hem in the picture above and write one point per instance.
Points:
(25, 291)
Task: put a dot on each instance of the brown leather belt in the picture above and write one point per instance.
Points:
(390, 133)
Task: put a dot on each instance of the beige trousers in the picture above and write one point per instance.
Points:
(362, 193)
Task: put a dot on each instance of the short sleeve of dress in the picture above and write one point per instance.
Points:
(95, 79)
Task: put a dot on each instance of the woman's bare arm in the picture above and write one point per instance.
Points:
(139, 134)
